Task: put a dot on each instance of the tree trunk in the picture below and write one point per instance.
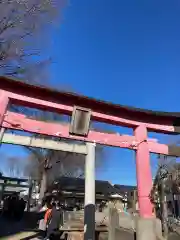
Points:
(29, 195)
(164, 209)
(43, 185)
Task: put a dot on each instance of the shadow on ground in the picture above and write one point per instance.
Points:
(29, 224)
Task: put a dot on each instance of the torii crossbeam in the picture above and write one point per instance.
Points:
(141, 121)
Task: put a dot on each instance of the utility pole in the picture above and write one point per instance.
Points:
(134, 200)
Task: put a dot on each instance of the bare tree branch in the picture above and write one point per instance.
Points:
(22, 24)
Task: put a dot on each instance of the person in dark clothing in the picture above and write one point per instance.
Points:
(54, 222)
(6, 207)
(13, 206)
(22, 206)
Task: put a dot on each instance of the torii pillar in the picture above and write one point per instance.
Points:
(146, 222)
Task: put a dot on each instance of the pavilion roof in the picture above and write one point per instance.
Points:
(125, 188)
(78, 185)
(13, 179)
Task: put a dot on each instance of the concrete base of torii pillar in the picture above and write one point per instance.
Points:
(148, 229)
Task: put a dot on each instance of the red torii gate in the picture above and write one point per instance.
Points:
(141, 121)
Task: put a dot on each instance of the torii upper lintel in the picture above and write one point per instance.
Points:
(59, 101)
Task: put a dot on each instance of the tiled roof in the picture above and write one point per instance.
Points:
(78, 185)
(125, 188)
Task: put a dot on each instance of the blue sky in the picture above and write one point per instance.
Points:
(127, 52)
